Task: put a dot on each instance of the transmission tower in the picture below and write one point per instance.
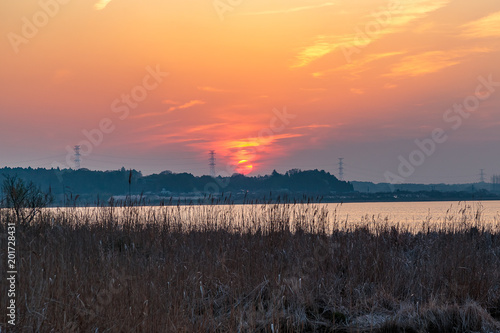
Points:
(341, 168)
(482, 176)
(77, 157)
(212, 163)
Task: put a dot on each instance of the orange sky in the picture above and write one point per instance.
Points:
(266, 84)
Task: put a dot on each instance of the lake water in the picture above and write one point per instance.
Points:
(411, 214)
(416, 211)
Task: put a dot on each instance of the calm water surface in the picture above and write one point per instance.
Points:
(416, 211)
(409, 213)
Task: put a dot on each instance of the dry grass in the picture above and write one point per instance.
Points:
(271, 268)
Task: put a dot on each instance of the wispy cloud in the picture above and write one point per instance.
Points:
(360, 65)
(424, 63)
(175, 138)
(186, 105)
(101, 4)
(149, 128)
(204, 127)
(399, 20)
(312, 126)
(171, 109)
(488, 26)
(149, 114)
(322, 46)
(213, 89)
(432, 61)
(169, 101)
(413, 10)
(290, 10)
(260, 141)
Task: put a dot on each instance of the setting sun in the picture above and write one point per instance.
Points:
(244, 167)
(156, 85)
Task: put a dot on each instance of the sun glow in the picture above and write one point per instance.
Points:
(244, 167)
(266, 84)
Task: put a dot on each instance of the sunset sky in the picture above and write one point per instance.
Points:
(266, 84)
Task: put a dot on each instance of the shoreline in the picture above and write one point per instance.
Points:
(187, 201)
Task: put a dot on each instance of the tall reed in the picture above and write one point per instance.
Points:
(263, 267)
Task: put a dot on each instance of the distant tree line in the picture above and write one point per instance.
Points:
(68, 184)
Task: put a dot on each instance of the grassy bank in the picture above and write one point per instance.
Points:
(273, 268)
